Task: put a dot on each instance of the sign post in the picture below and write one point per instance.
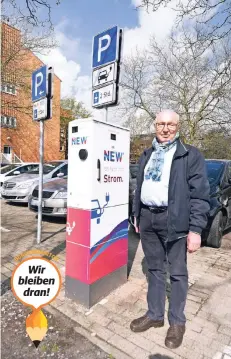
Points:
(42, 93)
(107, 48)
(41, 157)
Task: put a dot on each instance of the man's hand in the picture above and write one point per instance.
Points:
(135, 225)
(193, 242)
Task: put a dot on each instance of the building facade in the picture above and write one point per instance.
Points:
(19, 133)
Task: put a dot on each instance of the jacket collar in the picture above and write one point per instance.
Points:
(181, 149)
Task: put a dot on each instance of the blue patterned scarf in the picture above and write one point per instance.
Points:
(156, 162)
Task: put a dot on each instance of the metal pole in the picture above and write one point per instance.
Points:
(41, 151)
(106, 109)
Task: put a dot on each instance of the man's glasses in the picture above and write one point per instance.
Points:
(170, 126)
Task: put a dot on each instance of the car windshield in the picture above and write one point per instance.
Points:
(134, 170)
(47, 168)
(8, 168)
(214, 170)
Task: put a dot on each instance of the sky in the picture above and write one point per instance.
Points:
(76, 22)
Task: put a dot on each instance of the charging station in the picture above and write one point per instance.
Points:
(97, 213)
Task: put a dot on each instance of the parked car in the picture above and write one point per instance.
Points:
(219, 176)
(11, 170)
(19, 188)
(132, 186)
(54, 198)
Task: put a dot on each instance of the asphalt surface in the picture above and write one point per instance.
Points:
(60, 342)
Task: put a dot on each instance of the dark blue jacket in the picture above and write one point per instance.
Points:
(188, 193)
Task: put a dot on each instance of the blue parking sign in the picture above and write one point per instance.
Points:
(105, 47)
(39, 84)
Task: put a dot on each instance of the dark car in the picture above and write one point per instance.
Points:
(219, 176)
(132, 186)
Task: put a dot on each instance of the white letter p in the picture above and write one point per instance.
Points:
(38, 82)
(100, 48)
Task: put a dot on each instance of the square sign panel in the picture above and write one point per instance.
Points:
(104, 75)
(104, 95)
(105, 47)
(40, 110)
(39, 84)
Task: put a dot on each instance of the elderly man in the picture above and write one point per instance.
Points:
(170, 206)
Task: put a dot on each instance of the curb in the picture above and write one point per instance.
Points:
(92, 336)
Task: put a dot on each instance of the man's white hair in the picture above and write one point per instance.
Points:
(168, 113)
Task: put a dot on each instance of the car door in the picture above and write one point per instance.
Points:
(229, 193)
(63, 169)
(26, 168)
(226, 191)
(11, 174)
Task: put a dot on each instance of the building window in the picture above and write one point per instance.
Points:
(8, 121)
(9, 88)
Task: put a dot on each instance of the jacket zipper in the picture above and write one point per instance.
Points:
(182, 236)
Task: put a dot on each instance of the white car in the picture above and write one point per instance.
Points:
(9, 171)
(54, 198)
(19, 188)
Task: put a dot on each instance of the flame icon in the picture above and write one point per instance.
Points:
(70, 228)
(36, 326)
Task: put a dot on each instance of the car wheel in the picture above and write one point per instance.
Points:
(216, 231)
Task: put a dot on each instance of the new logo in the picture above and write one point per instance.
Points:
(113, 156)
(79, 140)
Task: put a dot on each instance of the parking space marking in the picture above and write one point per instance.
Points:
(4, 229)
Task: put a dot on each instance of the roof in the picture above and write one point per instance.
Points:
(12, 27)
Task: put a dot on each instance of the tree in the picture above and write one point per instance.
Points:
(139, 124)
(216, 144)
(26, 26)
(16, 65)
(34, 12)
(212, 18)
(176, 77)
(70, 110)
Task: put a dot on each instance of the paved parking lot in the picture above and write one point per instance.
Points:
(19, 231)
(208, 307)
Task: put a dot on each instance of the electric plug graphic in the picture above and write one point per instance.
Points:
(107, 198)
(70, 228)
(97, 211)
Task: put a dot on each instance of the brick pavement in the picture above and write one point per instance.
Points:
(208, 308)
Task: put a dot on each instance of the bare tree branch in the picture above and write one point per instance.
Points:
(35, 12)
(213, 18)
(15, 68)
(179, 77)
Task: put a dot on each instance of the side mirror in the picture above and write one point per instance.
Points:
(61, 174)
(16, 173)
